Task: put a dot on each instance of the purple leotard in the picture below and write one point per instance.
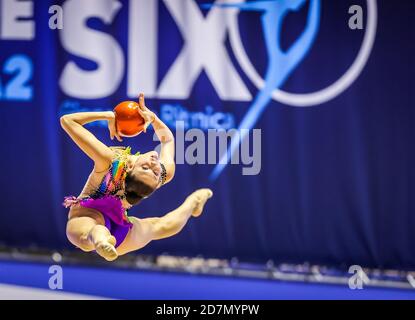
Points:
(108, 198)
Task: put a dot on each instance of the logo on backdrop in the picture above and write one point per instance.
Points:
(282, 64)
(204, 49)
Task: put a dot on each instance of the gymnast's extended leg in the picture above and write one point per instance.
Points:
(146, 230)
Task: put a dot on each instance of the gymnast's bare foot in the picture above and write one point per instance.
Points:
(197, 200)
(106, 249)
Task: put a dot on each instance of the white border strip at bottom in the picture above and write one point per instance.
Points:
(10, 292)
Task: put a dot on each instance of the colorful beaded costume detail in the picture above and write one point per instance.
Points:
(109, 198)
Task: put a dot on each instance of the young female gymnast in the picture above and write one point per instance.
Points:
(98, 217)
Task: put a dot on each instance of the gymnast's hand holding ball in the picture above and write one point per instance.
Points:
(98, 217)
(130, 119)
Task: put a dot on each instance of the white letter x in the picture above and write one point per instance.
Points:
(204, 48)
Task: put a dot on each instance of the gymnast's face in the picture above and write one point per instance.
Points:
(147, 167)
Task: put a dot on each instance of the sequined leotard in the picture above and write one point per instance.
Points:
(109, 197)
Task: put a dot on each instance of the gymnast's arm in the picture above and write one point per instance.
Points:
(165, 136)
(74, 123)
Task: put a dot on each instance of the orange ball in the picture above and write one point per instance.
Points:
(127, 119)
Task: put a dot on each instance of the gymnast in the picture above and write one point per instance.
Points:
(98, 219)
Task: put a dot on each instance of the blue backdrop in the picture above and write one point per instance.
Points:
(336, 183)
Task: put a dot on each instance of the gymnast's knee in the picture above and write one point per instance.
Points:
(79, 240)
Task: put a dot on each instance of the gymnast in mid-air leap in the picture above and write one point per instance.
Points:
(98, 219)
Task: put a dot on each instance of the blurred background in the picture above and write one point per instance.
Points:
(329, 83)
